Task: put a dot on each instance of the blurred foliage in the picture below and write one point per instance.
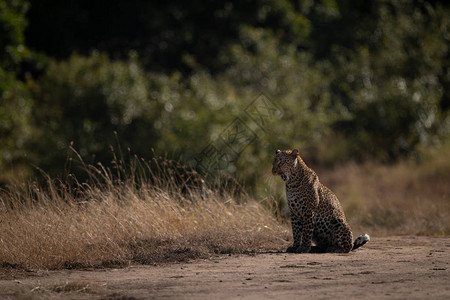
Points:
(15, 103)
(12, 27)
(393, 87)
(221, 85)
(82, 102)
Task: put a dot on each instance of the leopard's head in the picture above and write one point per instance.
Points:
(284, 162)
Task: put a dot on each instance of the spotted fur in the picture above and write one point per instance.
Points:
(316, 213)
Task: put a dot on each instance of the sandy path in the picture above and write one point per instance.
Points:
(386, 268)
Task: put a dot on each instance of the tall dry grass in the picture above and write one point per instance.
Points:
(161, 211)
(125, 215)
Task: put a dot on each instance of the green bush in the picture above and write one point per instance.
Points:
(336, 79)
(15, 102)
(83, 101)
(392, 88)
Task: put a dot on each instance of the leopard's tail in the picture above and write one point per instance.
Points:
(361, 240)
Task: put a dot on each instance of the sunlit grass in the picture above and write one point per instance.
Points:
(135, 219)
(161, 211)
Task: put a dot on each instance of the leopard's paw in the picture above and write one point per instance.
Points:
(298, 249)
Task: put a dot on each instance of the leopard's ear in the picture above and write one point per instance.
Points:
(278, 151)
(294, 152)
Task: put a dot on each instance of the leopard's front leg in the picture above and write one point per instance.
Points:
(302, 206)
(302, 230)
(297, 234)
(307, 231)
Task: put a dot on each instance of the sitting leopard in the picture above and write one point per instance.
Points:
(316, 214)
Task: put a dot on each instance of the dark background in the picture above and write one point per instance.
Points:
(364, 80)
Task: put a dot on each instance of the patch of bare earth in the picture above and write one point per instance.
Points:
(386, 268)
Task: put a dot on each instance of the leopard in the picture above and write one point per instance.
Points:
(315, 211)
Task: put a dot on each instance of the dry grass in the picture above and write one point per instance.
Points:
(161, 212)
(114, 222)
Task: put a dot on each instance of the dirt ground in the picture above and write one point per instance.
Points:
(386, 268)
